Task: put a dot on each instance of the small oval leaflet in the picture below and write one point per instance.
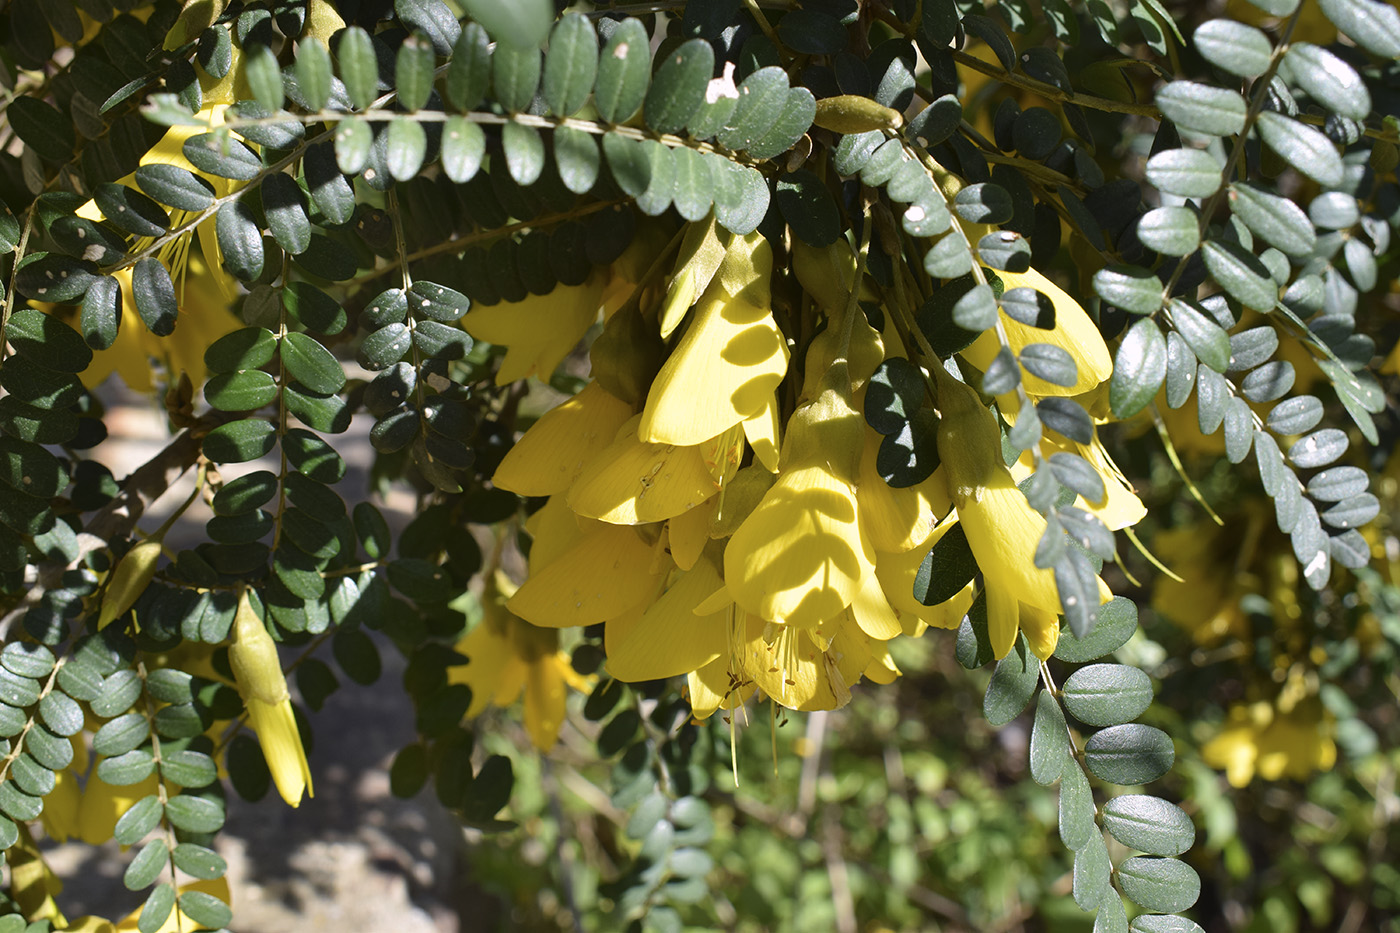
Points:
(1159, 884)
(155, 296)
(1129, 754)
(1107, 694)
(1149, 824)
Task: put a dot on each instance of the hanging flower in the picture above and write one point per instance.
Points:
(508, 656)
(258, 673)
(1264, 740)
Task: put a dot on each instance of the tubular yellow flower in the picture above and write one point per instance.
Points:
(257, 671)
(633, 481)
(605, 572)
(1259, 739)
(732, 357)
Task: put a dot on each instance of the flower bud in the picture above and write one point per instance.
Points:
(129, 580)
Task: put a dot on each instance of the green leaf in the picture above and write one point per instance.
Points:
(1129, 754)
(240, 240)
(1050, 747)
(1318, 448)
(205, 909)
(1139, 368)
(524, 152)
(762, 97)
(27, 660)
(61, 714)
(1186, 173)
(464, 145)
(407, 144)
(312, 456)
(1339, 483)
(1241, 274)
(1050, 362)
(678, 88)
(1163, 923)
(469, 70)
(1239, 430)
(1373, 25)
(285, 208)
(1149, 824)
(662, 179)
(60, 279)
(135, 823)
(121, 735)
(154, 294)
(198, 861)
(1329, 80)
(147, 865)
(523, 23)
(575, 155)
(946, 569)
(1301, 146)
(515, 74)
(1091, 873)
(157, 908)
(1131, 288)
(693, 184)
(1276, 219)
(630, 163)
(1201, 108)
(240, 441)
(808, 208)
(242, 391)
(1207, 340)
(130, 210)
(984, 203)
(1164, 885)
(1107, 694)
(976, 310)
(359, 68)
(1234, 47)
(175, 187)
(572, 64)
(1077, 825)
(311, 364)
(1173, 231)
(195, 814)
(43, 128)
(248, 348)
(624, 72)
(313, 71)
(413, 71)
(1295, 415)
(1013, 682)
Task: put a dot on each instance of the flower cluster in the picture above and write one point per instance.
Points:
(727, 520)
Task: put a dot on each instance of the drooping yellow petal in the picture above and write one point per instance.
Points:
(1042, 630)
(605, 572)
(276, 727)
(699, 258)
(872, 611)
(553, 452)
(545, 696)
(554, 529)
(488, 654)
(897, 573)
(669, 638)
(540, 330)
(799, 558)
(790, 667)
(633, 482)
(762, 430)
(1073, 332)
(717, 686)
(689, 532)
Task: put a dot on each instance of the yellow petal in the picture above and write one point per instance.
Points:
(669, 638)
(554, 530)
(276, 727)
(1042, 630)
(689, 532)
(897, 573)
(539, 331)
(723, 371)
(1003, 617)
(714, 687)
(544, 702)
(1073, 332)
(762, 431)
(799, 558)
(605, 572)
(488, 652)
(873, 613)
(699, 258)
(787, 664)
(633, 482)
(1003, 530)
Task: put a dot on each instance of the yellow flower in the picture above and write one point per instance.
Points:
(724, 370)
(1073, 332)
(603, 572)
(633, 481)
(1001, 527)
(1262, 739)
(540, 330)
(258, 673)
(669, 637)
(507, 655)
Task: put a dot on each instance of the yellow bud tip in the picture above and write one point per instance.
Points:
(129, 580)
